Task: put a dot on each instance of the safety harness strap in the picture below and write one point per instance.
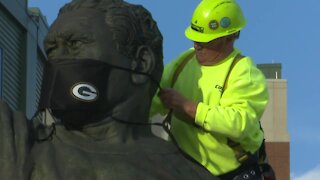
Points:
(186, 59)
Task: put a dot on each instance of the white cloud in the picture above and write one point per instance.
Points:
(313, 174)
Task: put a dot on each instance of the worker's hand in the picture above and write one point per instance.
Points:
(172, 99)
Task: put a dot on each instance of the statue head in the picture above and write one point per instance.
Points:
(121, 35)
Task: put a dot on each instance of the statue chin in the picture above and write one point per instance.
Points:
(78, 119)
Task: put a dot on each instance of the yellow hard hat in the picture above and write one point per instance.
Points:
(215, 18)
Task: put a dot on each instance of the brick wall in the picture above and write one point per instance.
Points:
(279, 158)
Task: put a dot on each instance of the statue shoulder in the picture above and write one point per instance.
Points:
(14, 142)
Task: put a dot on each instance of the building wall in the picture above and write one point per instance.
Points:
(274, 119)
(271, 71)
(279, 158)
(21, 44)
(274, 123)
(12, 43)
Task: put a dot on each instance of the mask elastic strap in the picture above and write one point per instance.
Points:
(138, 72)
(52, 128)
(135, 123)
(49, 137)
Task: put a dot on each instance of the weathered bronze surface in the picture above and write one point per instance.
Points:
(116, 146)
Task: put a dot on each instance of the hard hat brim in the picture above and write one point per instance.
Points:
(198, 36)
(201, 37)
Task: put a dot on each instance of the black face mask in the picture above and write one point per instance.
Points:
(76, 90)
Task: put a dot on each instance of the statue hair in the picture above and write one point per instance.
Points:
(131, 25)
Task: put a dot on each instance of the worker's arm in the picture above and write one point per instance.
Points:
(241, 106)
(157, 106)
(174, 100)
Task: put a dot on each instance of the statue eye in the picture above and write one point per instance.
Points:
(49, 51)
(75, 43)
(50, 48)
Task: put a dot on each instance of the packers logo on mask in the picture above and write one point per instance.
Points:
(84, 92)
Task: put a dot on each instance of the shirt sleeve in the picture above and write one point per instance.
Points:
(241, 105)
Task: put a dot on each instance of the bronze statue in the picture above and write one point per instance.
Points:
(104, 62)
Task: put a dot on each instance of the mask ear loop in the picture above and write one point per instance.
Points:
(50, 136)
(163, 124)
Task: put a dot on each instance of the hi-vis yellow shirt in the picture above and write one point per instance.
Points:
(235, 115)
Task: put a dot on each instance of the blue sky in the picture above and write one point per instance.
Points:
(280, 31)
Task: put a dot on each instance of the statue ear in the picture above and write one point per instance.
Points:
(143, 62)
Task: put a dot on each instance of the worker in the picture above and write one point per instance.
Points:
(216, 95)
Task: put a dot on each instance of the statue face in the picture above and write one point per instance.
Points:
(82, 34)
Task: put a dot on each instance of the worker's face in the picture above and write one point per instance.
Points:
(208, 52)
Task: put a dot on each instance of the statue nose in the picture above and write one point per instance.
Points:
(62, 51)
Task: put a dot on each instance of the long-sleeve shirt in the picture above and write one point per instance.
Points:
(220, 116)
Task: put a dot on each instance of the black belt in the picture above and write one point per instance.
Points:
(243, 173)
(249, 170)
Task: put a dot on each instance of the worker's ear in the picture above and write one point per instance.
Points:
(233, 37)
(230, 38)
(143, 62)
